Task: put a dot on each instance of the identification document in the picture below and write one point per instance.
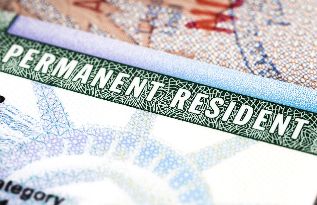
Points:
(90, 120)
(271, 38)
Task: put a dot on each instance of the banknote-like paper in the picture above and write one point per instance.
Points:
(270, 38)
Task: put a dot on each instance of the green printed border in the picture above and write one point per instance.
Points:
(306, 142)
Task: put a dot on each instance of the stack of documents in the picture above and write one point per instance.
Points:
(158, 102)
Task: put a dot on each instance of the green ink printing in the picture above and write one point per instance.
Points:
(161, 94)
